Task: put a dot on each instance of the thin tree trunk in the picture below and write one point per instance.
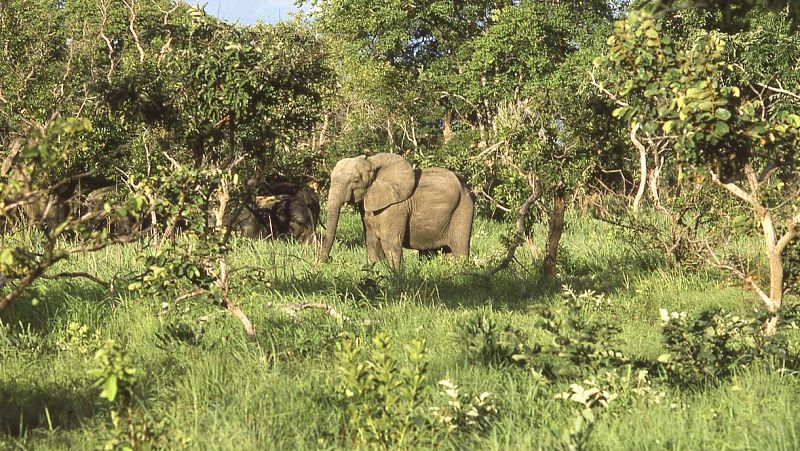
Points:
(642, 169)
(554, 236)
(774, 244)
(448, 125)
(323, 132)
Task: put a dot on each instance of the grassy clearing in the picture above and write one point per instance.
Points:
(212, 389)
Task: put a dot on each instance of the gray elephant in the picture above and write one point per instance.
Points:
(401, 207)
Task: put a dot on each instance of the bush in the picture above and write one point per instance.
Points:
(382, 395)
(714, 344)
(484, 341)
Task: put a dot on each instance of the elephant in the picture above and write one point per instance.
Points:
(402, 207)
(278, 210)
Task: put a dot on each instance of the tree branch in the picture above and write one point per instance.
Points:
(519, 233)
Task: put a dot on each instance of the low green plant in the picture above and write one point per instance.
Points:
(115, 373)
(464, 411)
(79, 338)
(371, 285)
(485, 341)
(576, 436)
(577, 345)
(21, 338)
(382, 393)
(135, 430)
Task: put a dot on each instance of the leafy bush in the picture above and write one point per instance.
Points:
(465, 412)
(484, 341)
(115, 373)
(79, 338)
(714, 344)
(382, 395)
(140, 430)
(578, 345)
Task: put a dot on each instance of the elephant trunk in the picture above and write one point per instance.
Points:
(335, 201)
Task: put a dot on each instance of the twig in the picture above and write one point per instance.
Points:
(293, 309)
(605, 91)
(780, 91)
(73, 275)
(642, 168)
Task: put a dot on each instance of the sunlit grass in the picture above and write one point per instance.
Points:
(228, 393)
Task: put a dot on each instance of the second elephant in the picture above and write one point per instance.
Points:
(282, 210)
(423, 209)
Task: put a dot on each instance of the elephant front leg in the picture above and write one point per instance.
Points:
(374, 249)
(393, 247)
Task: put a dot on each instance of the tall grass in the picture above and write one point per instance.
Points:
(216, 390)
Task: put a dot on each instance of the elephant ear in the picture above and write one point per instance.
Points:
(394, 181)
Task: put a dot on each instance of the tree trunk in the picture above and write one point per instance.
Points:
(642, 169)
(448, 126)
(323, 132)
(554, 236)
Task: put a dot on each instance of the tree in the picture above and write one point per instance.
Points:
(183, 110)
(713, 109)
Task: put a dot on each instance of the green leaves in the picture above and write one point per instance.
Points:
(713, 344)
(383, 394)
(114, 374)
(690, 95)
(721, 128)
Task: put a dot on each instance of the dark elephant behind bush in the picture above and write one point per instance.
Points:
(280, 210)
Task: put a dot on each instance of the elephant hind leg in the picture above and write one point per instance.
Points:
(461, 227)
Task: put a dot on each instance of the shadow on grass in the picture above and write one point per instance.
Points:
(436, 280)
(47, 406)
(453, 286)
(42, 305)
(611, 275)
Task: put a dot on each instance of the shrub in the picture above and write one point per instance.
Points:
(484, 341)
(465, 412)
(382, 394)
(115, 373)
(578, 345)
(713, 344)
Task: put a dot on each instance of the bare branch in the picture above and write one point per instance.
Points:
(780, 91)
(103, 22)
(73, 275)
(293, 309)
(733, 188)
(519, 233)
(789, 235)
(744, 276)
(605, 91)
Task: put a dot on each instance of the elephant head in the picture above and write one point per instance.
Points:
(376, 182)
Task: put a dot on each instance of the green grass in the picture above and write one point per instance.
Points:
(223, 392)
